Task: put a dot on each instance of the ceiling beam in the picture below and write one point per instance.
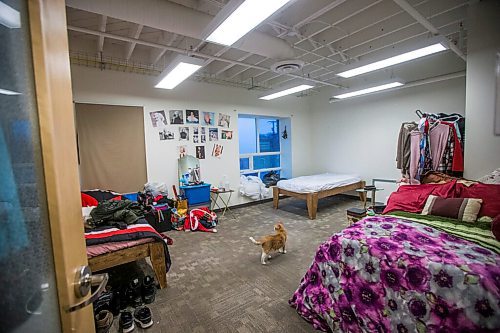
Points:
(158, 53)
(182, 51)
(102, 28)
(228, 66)
(318, 13)
(427, 24)
(134, 33)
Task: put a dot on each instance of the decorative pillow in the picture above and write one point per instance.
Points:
(465, 209)
(495, 227)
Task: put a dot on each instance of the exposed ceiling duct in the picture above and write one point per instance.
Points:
(175, 18)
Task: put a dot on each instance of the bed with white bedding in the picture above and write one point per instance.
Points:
(314, 187)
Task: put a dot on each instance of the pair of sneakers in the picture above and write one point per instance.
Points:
(142, 316)
(141, 291)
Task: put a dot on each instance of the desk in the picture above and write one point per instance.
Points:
(218, 195)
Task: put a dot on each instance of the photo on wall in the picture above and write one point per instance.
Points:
(200, 152)
(208, 118)
(196, 137)
(176, 117)
(227, 135)
(203, 137)
(158, 118)
(213, 134)
(192, 117)
(183, 150)
(166, 135)
(224, 120)
(183, 133)
(217, 150)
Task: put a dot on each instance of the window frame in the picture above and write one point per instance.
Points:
(250, 156)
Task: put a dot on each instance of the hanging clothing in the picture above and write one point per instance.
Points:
(415, 138)
(403, 148)
(438, 139)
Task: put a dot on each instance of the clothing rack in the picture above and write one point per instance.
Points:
(435, 143)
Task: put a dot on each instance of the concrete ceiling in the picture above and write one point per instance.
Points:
(329, 36)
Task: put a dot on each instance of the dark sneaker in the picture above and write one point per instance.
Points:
(143, 317)
(148, 289)
(126, 322)
(133, 293)
(118, 302)
(103, 302)
(103, 321)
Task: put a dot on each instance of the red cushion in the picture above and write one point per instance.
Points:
(495, 227)
(88, 201)
(412, 198)
(490, 193)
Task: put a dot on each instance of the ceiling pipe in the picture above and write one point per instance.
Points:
(412, 84)
(175, 18)
(428, 25)
(193, 53)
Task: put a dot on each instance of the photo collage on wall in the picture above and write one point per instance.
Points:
(193, 126)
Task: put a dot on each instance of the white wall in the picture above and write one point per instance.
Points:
(482, 147)
(111, 87)
(360, 135)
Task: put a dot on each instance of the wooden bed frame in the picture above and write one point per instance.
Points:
(312, 198)
(154, 250)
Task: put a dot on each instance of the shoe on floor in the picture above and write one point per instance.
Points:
(103, 302)
(143, 317)
(126, 322)
(133, 293)
(148, 289)
(103, 321)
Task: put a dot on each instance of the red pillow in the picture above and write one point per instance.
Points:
(88, 201)
(412, 198)
(490, 193)
(495, 227)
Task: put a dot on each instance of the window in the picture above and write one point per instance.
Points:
(260, 150)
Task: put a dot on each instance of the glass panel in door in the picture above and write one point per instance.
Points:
(28, 295)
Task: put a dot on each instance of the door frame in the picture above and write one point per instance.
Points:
(49, 42)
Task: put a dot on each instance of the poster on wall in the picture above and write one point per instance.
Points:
(217, 150)
(196, 137)
(183, 133)
(183, 151)
(208, 118)
(227, 135)
(192, 117)
(200, 152)
(213, 134)
(203, 137)
(166, 135)
(176, 117)
(224, 120)
(158, 118)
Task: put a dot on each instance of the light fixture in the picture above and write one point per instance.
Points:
(422, 52)
(287, 92)
(9, 17)
(369, 90)
(243, 19)
(8, 92)
(179, 69)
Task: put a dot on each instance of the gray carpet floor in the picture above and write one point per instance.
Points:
(217, 284)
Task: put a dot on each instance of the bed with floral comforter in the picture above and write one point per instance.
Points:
(403, 274)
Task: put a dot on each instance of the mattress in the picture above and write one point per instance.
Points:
(99, 249)
(317, 183)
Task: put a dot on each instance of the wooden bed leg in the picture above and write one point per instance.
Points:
(157, 255)
(362, 195)
(312, 205)
(276, 197)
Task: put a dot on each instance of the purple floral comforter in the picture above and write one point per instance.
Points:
(387, 274)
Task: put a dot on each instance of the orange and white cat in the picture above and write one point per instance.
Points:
(271, 243)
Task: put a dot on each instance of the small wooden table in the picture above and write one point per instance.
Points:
(216, 195)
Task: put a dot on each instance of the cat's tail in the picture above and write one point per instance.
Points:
(254, 241)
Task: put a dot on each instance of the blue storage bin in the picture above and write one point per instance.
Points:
(196, 194)
(130, 196)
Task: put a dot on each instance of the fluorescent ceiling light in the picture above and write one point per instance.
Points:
(370, 90)
(181, 68)
(287, 92)
(8, 92)
(9, 17)
(246, 17)
(394, 60)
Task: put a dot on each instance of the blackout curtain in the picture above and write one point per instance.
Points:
(111, 147)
